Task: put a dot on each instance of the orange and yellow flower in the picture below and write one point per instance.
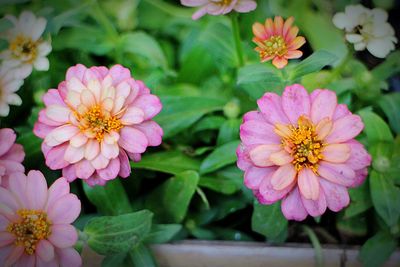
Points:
(277, 40)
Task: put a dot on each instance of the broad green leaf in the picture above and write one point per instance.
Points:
(219, 184)
(360, 201)
(31, 143)
(70, 17)
(390, 104)
(313, 63)
(170, 201)
(355, 226)
(375, 127)
(141, 257)
(173, 162)
(143, 45)
(220, 157)
(180, 113)
(389, 67)
(259, 78)
(377, 249)
(381, 153)
(162, 233)
(229, 131)
(114, 260)
(110, 199)
(385, 197)
(209, 123)
(269, 221)
(118, 234)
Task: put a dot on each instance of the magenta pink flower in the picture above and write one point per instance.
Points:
(300, 148)
(219, 7)
(95, 120)
(35, 222)
(11, 155)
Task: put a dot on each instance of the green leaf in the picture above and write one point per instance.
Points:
(180, 113)
(31, 143)
(259, 78)
(118, 234)
(229, 131)
(110, 199)
(71, 17)
(219, 184)
(389, 67)
(355, 226)
(377, 249)
(269, 221)
(162, 233)
(313, 63)
(209, 123)
(170, 201)
(220, 157)
(144, 45)
(141, 257)
(114, 260)
(375, 127)
(385, 197)
(360, 201)
(390, 104)
(173, 162)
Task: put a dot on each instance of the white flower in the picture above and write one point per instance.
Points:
(26, 48)
(366, 28)
(10, 82)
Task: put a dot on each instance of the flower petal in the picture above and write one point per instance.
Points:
(345, 129)
(295, 102)
(292, 206)
(36, 190)
(64, 210)
(45, 250)
(132, 140)
(261, 153)
(336, 195)
(308, 184)
(323, 105)
(283, 177)
(63, 235)
(271, 106)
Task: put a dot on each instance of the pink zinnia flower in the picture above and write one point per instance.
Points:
(35, 222)
(300, 148)
(11, 155)
(219, 7)
(95, 120)
(277, 40)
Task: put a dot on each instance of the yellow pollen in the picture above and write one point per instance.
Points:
(25, 48)
(274, 46)
(32, 227)
(303, 145)
(98, 123)
(225, 2)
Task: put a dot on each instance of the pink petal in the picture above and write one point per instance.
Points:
(244, 6)
(61, 134)
(76, 71)
(42, 263)
(45, 250)
(308, 184)
(12, 166)
(283, 177)
(4, 252)
(69, 257)
(125, 168)
(14, 255)
(17, 185)
(78, 140)
(270, 194)
(292, 206)
(152, 131)
(360, 177)
(69, 173)
(6, 238)
(65, 210)
(324, 105)
(84, 169)
(199, 13)
(52, 97)
(315, 207)
(243, 157)
(58, 113)
(254, 176)
(336, 195)
(42, 130)
(3, 223)
(295, 102)
(257, 132)
(55, 157)
(340, 111)
(194, 3)
(74, 154)
(260, 155)
(36, 190)
(323, 128)
(270, 105)
(337, 173)
(149, 104)
(15, 153)
(58, 189)
(132, 140)
(345, 128)
(87, 98)
(109, 151)
(281, 157)
(359, 157)
(26, 261)
(7, 139)
(119, 73)
(92, 149)
(111, 171)
(336, 153)
(279, 62)
(63, 235)
(100, 162)
(132, 115)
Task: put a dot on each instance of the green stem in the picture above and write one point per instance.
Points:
(236, 37)
(315, 243)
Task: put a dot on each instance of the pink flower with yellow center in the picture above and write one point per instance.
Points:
(96, 119)
(300, 149)
(35, 222)
(277, 40)
(219, 7)
(11, 155)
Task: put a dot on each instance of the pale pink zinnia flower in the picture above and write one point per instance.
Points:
(35, 222)
(219, 7)
(95, 120)
(11, 155)
(300, 148)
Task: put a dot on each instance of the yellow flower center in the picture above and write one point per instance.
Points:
(225, 2)
(302, 143)
(24, 48)
(274, 46)
(32, 227)
(98, 123)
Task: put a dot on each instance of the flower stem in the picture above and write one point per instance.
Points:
(236, 37)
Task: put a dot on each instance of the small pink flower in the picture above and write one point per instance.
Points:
(300, 149)
(35, 222)
(95, 120)
(11, 155)
(219, 7)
